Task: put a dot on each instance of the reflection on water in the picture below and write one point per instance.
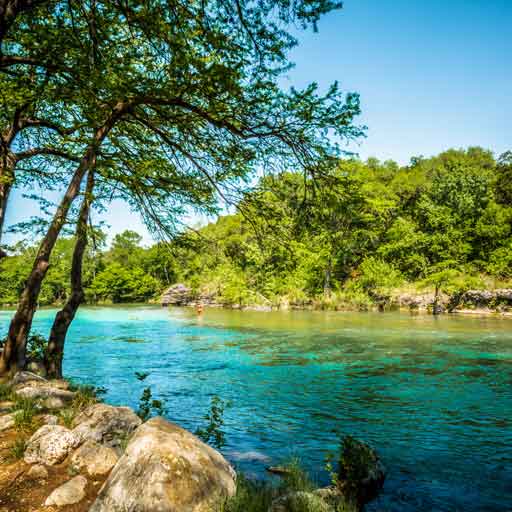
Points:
(434, 395)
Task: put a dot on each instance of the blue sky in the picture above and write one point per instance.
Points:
(431, 75)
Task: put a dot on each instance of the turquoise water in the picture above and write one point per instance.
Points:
(433, 395)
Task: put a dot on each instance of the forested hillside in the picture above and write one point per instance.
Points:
(378, 229)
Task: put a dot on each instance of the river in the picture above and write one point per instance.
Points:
(433, 395)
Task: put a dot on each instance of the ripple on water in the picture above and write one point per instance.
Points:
(433, 395)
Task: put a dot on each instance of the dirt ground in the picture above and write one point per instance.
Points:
(18, 493)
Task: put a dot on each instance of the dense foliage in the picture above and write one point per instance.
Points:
(444, 221)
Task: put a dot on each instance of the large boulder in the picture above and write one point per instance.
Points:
(166, 469)
(177, 295)
(50, 445)
(94, 459)
(105, 424)
(69, 493)
(50, 397)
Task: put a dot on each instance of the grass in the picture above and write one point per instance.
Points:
(85, 395)
(25, 410)
(67, 416)
(17, 449)
(6, 392)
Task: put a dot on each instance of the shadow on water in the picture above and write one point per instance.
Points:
(434, 395)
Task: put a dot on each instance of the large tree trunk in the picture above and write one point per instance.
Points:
(7, 163)
(14, 352)
(55, 349)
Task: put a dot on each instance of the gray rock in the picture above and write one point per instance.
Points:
(69, 493)
(166, 468)
(105, 424)
(94, 459)
(37, 367)
(24, 377)
(6, 422)
(37, 472)
(177, 295)
(6, 406)
(50, 397)
(49, 419)
(50, 445)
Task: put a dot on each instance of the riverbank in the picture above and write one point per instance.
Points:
(61, 449)
(483, 302)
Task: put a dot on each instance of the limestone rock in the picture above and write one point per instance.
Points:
(24, 377)
(105, 424)
(37, 367)
(6, 422)
(300, 501)
(49, 419)
(6, 406)
(177, 295)
(50, 445)
(166, 468)
(94, 458)
(51, 397)
(37, 472)
(69, 493)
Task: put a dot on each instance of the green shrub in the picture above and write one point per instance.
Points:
(213, 433)
(251, 496)
(36, 346)
(148, 404)
(378, 277)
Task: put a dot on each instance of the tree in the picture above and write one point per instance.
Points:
(183, 116)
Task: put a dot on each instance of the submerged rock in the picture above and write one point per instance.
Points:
(69, 493)
(166, 468)
(94, 459)
(105, 424)
(50, 445)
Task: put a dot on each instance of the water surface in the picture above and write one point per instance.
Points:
(433, 395)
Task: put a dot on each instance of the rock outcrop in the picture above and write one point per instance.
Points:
(50, 445)
(166, 468)
(105, 424)
(176, 295)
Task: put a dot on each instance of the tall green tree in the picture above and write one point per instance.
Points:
(184, 104)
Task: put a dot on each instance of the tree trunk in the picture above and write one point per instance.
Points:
(6, 182)
(435, 309)
(55, 349)
(14, 352)
(327, 279)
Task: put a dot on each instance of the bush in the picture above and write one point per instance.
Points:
(85, 395)
(377, 277)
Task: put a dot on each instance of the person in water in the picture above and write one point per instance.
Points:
(199, 309)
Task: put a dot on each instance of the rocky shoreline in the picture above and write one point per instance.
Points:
(63, 451)
(482, 302)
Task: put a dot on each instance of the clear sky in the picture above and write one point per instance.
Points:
(431, 75)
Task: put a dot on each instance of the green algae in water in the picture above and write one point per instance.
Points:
(433, 395)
